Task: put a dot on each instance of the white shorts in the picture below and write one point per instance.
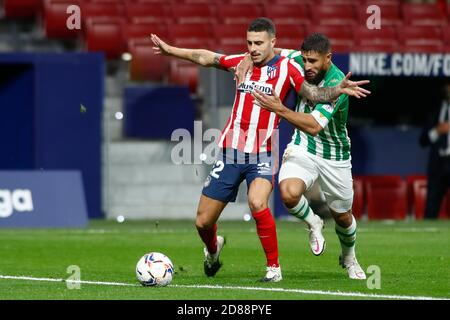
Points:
(334, 177)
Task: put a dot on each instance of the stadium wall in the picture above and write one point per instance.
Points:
(51, 115)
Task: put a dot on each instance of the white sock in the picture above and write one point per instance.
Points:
(347, 238)
(303, 211)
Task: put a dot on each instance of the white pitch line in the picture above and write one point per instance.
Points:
(319, 292)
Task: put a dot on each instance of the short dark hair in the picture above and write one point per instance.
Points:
(317, 42)
(262, 24)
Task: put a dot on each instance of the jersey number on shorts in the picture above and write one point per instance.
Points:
(218, 167)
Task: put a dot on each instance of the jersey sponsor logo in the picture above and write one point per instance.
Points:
(249, 86)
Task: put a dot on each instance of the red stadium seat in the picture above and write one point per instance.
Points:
(22, 8)
(419, 194)
(194, 13)
(290, 36)
(420, 35)
(376, 48)
(410, 180)
(386, 197)
(55, 19)
(191, 35)
(329, 14)
(390, 14)
(283, 2)
(144, 30)
(376, 40)
(184, 73)
(423, 14)
(446, 32)
(103, 9)
(233, 34)
(239, 13)
(230, 49)
(145, 65)
(358, 198)
(105, 34)
(427, 48)
(290, 14)
(149, 12)
(341, 37)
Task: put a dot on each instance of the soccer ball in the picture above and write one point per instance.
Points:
(154, 269)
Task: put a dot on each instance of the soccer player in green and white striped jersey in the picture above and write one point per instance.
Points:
(320, 149)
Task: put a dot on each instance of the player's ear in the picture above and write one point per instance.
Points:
(328, 57)
(273, 41)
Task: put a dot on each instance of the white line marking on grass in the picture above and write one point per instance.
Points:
(319, 292)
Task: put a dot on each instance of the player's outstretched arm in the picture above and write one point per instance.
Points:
(302, 121)
(329, 94)
(202, 57)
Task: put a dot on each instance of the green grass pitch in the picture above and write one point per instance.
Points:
(413, 257)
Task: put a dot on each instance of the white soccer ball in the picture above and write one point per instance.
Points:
(154, 269)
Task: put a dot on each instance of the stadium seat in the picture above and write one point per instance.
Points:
(184, 73)
(149, 12)
(289, 14)
(22, 8)
(194, 13)
(103, 9)
(105, 34)
(386, 197)
(419, 195)
(423, 15)
(230, 49)
(145, 65)
(427, 48)
(283, 2)
(239, 13)
(233, 34)
(377, 40)
(420, 35)
(191, 35)
(290, 36)
(144, 30)
(446, 33)
(341, 37)
(390, 14)
(358, 198)
(55, 19)
(329, 14)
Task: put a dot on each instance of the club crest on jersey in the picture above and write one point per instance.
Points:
(272, 72)
(249, 86)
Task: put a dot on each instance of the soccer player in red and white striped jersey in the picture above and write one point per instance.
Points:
(248, 134)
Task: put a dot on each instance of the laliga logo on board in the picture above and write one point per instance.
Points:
(19, 200)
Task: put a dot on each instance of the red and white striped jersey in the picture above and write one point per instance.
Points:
(250, 127)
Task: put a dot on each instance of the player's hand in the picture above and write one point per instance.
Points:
(352, 88)
(160, 46)
(246, 65)
(443, 128)
(270, 103)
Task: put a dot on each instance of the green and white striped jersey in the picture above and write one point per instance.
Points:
(332, 142)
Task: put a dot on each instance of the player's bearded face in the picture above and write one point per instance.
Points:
(260, 46)
(316, 65)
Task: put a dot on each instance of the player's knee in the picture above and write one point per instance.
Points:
(343, 219)
(202, 222)
(289, 196)
(256, 205)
